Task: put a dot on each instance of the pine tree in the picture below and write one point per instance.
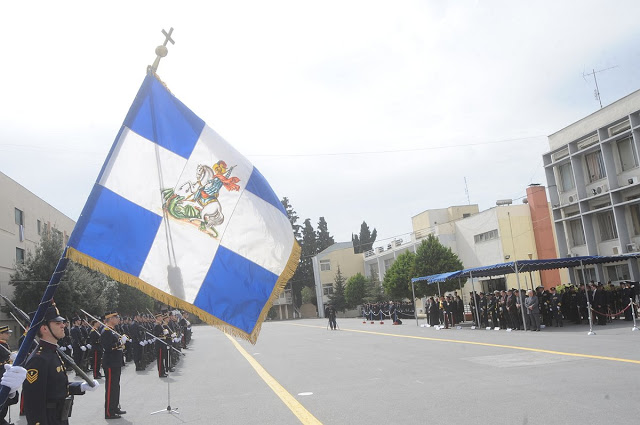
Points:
(324, 239)
(293, 217)
(337, 298)
(364, 241)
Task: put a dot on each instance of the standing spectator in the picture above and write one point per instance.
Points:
(331, 315)
(533, 311)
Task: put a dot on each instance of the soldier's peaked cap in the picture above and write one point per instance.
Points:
(53, 315)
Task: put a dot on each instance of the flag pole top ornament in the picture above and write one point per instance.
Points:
(161, 51)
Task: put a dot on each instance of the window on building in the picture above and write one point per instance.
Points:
(595, 166)
(577, 233)
(373, 269)
(589, 275)
(607, 226)
(618, 272)
(627, 154)
(566, 177)
(325, 265)
(465, 215)
(635, 218)
(387, 263)
(486, 236)
(19, 256)
(19, 217)
(327, 289)
(39, 227)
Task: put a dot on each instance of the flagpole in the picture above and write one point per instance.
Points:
(47, 297)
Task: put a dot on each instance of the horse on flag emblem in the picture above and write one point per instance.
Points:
(197, 202)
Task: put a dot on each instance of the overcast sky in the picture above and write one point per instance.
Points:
(354, 110)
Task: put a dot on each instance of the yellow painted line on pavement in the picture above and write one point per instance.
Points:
(486, 344)
(296, 408)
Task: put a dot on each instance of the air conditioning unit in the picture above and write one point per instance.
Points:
(380, 249)
(616, 250)
(398, 242)
(632, 180)
(632, 247)
(389, 246)
(598, 190)
(571, 199)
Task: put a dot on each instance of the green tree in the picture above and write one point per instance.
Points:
(363, 242)
(355, 291)
(309, 296)
(374, 291)
(397, 280)
(337, 298)
(324, 239)
(132, 300)
(80, 288)
(432, 258)
(293, 217)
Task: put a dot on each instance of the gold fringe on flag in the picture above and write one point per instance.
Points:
(173, 301)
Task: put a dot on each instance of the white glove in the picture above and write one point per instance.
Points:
(69, 347)
(142, 343)
(173, 335)
(89, 346)
(165, 332)
(83, 348)
(123, 339)
(86, 387)
(13, 377)
(63, 348)
(13, 356)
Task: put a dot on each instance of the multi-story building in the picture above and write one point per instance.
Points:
(481, 238)
(593, 178)
(339, 256)
(24, 218)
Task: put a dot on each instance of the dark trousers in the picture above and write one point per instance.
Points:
(96, 360)
(112, 391)
(162, 359)
(137, 354)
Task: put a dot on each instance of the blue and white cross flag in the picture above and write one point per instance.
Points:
(178, 213)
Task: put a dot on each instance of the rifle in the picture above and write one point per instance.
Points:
(62, 354)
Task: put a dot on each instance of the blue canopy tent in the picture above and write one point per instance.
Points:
(522, 266)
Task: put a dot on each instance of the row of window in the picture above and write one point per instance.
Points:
(486, 236)
(606, 226)
(19, 216)
(614, 273)
(594, 164)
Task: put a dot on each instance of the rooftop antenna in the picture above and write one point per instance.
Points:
(596, 92)
(466, 191)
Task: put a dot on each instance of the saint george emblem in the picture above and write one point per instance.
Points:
(197, 202)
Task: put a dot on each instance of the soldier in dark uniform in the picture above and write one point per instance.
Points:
(161, 332)
(5, 355)
(48, 394)
(555, 302)
(95, 350)
(77, 341)
(482, 306)
(112, 358)
(492, 306)
(138, 336)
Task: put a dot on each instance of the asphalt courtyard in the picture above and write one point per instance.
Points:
(300, 372)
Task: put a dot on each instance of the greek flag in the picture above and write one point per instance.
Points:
(178, 213)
